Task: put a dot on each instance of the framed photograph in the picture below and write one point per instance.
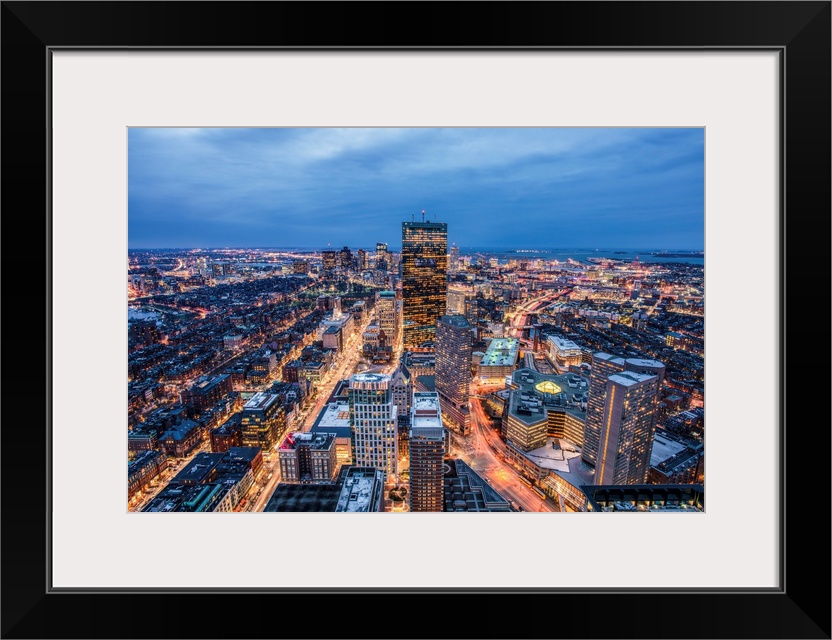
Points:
(88, 85)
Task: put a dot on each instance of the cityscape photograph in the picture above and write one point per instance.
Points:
(415, 320)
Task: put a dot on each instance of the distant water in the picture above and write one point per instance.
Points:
(581, 255)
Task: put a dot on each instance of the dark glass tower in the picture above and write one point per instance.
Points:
(453, 370)
(424, 279)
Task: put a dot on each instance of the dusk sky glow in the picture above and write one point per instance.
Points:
(498, 188)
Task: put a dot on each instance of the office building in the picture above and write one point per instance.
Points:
(562, 353)
(328, 259)
(345, 258)
(374, 423)
(543, 406)
(361, 262)
(387, 314)
(401, 387)
(427, 451)
(453, 266)
(382, 257)
(300, 266)
(499, 360)
(424, 279)
(263, 421)
(453, 370)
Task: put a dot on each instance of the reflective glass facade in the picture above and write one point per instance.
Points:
(424, 279)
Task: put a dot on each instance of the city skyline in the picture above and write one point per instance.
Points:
(622, 188)
(434, 378)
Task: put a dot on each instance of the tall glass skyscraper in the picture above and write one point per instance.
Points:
(424, 279)
(453, 370)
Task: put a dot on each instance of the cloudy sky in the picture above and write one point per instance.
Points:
(505, 188)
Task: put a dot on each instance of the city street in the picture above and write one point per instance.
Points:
(482, 451)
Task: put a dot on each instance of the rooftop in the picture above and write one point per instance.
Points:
(304, 498)
(369, 381)
(261, 400)
(644, 362)
(455, 321)
(685, 498)
(426, 415)
(536, 393)
(318, 441)
(361, 490)
(663, 449)
(563, 344)
(555, 458)
(335, 414)
(501, 352)
(630, 378)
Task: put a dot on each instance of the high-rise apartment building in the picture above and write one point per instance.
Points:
(427, 452)
(621, 417)
(603, 366)
(362, 260)
(374, 424)
(424, 279)
(453, 370)
(387, 314)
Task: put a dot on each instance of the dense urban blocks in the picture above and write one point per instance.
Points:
(282, 380)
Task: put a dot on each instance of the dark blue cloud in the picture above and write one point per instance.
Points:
(508, 188)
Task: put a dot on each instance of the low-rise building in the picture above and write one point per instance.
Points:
(308, 457)
(335, 418)
(499, 360)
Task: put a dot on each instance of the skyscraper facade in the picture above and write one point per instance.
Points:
(424, 279)
(626, 433)
(402, 390)
(328, 259)
(345, 258)
(453, 267)
(621, 417)
(387, 314)
(603, 366)
(453, 370)
(362, 259)
(382, 260)
(427, 452)
(373, 422)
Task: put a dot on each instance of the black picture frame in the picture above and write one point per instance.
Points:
(800, 31)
